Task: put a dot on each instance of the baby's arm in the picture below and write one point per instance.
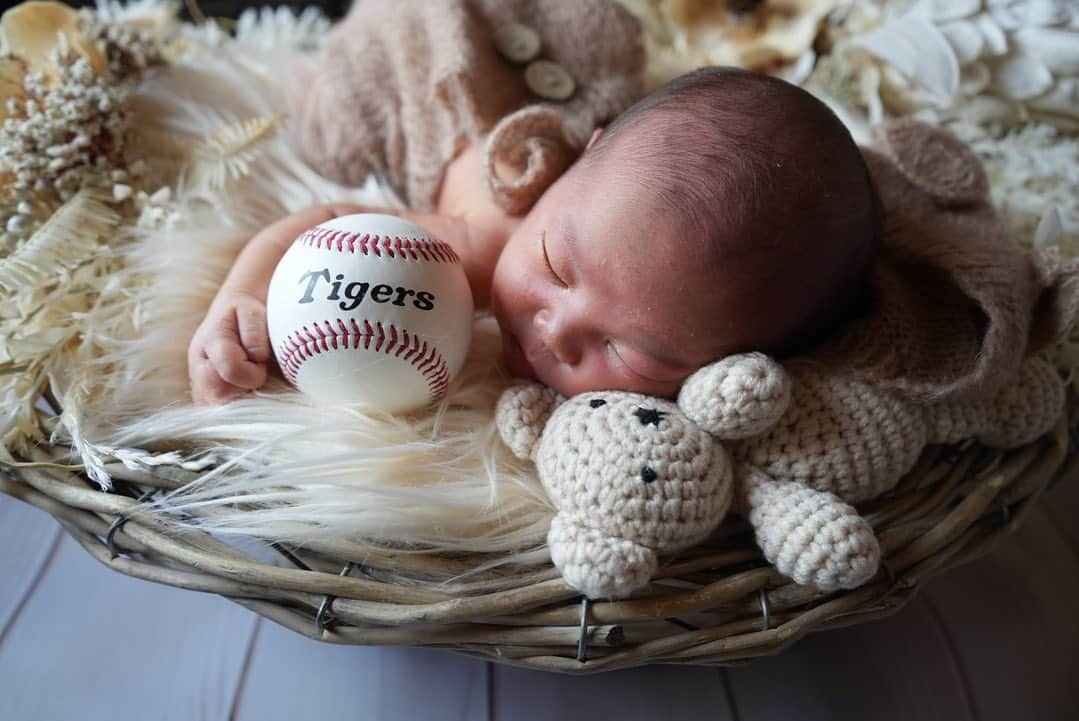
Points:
(230, 353)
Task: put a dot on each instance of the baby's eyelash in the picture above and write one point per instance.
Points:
(621, 361)
(547, 259)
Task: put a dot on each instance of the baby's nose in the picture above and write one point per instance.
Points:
(556, 334)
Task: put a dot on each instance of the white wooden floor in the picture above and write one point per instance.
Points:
(996, 639)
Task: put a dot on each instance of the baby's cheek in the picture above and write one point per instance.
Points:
(564, 380)
(514, 283)
(449, 229)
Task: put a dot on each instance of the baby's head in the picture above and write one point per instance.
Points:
(725, 212)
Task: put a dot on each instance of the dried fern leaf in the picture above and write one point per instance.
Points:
(68, 238)
(227, 155)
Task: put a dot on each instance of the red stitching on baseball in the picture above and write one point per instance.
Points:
(323, 337)
(365, 244)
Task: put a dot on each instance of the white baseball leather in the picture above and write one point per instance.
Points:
(370, 309)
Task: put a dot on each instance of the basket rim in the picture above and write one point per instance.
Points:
(957, 503)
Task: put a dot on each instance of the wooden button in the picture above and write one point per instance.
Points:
(549, 80)
(518, 43)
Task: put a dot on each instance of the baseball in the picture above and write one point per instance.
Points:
(370, 309)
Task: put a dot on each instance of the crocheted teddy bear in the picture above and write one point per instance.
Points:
(634, 476)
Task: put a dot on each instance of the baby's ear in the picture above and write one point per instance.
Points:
(935, 161)
(521, 416)
(737, 397)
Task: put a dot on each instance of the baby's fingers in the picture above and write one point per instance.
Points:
(251, 322)
(207, 387)
(232, 364)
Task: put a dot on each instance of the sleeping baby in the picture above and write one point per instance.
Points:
(724, 212)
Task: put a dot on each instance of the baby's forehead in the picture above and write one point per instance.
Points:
(633, 226)
(736, 144)
(647, 270)
(738, 193)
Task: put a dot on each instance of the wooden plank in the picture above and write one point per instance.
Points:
(897, 668)
(650, 693)
(1011, 617)
(292, 677)
(29, 537)
(94, 644)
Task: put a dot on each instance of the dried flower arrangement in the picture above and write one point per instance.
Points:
(63, 148)
(65, 122)
(80, 179)
(1003, 76)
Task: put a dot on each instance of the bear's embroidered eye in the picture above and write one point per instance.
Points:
(649, 416)
(647, 474)
(596, 403)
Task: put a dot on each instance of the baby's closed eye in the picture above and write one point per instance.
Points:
(644, 365)
(547, 260)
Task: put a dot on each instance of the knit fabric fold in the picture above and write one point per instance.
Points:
(403, 85)
(956, 304)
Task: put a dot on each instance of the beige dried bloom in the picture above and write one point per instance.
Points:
(761, 35)
(33, 31)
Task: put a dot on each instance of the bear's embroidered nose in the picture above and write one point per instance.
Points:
(649, 415)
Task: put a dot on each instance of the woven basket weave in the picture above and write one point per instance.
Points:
(718, 603)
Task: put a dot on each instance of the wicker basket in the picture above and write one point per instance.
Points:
(718, 603)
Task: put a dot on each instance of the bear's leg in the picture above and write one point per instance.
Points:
(810, 536)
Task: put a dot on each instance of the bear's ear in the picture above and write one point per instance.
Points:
(737, 397)
(522, 414)
(935, 161)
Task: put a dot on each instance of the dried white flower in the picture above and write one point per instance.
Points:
(129, 49)
(68, 128)
(121, 192)
(268, 28)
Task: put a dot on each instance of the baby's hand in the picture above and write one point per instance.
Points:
(229, 352)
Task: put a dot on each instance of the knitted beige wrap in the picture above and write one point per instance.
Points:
(403, 85)
(957, 304)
